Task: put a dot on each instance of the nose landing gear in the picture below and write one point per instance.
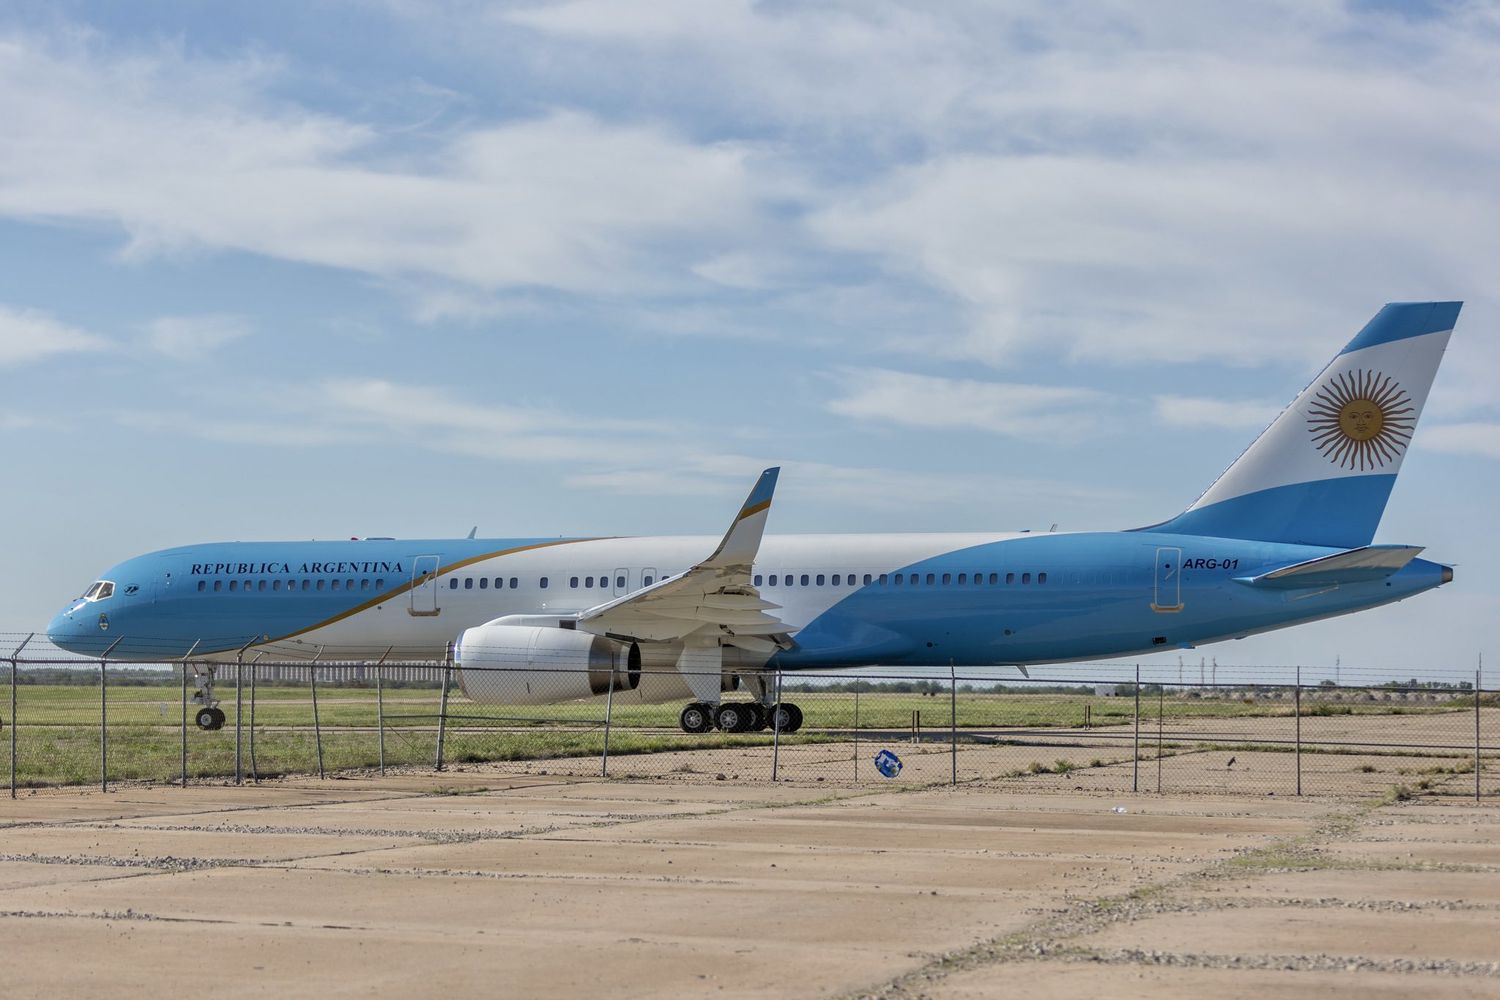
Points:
(210, 717)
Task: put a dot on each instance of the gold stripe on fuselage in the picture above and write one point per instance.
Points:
(440, 571)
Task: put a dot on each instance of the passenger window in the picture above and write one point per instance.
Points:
(513, 583)
(804, 579)
(994, 579)
(452, 583)
(620, 582)
(947, 578)
(1041, 578)
(275, 585)
(588, 581)
(931, 579)
(835, 579)
(896, 580)
(820, 579)
(773, 579)
(364, 585)
(647, 581)
(484, 583)
(1010, 578)
(218, 585)
(963, 578)
(883, 579)
(603, 583)
(348, 584)
(202, 585)
(573, 582)
(321, 583)
(260, 585)
(867, 578)
(234, 585)
(336, 584)
(544, 583)
(1025, 577)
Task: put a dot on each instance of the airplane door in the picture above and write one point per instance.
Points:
(424, 586)
(1166, 594)
(622, 582)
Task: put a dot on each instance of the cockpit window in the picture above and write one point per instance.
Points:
(99, 591)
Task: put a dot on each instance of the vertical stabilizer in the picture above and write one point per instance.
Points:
(1322, 472)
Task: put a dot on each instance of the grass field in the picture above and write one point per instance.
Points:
(58, 739)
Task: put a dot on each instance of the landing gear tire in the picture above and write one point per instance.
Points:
(209, 718)
(786, 717)
(732, 718)
(696, 718)
(762, 720)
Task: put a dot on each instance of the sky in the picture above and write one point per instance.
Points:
(335, 269)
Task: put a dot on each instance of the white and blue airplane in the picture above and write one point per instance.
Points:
(1283, 537)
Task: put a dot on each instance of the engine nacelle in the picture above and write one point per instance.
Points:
(536, 665)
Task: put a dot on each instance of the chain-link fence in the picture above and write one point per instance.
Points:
(1097, 727)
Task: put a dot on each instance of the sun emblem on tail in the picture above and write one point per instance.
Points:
(1361, 419)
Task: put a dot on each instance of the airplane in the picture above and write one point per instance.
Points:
(1284, 536)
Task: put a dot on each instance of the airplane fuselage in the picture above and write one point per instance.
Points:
(852, 600)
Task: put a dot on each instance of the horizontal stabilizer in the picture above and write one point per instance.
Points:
(1361, 565)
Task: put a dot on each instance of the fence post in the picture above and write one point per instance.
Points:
(185, 657)
(1135, 765)
(380, 711)
(609, 714)
(239, 712)
(443, 707)
(1477, 693)
(953, 719)
(254, 678)
(776, 731)
(12, 727)
(13, 657)
(1161, 713)
(1297, 710)
(104, 717)
(856, 733)
(312, 676)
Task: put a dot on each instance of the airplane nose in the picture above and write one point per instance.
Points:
(64, 631)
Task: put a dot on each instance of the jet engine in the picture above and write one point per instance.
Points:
(531, 665)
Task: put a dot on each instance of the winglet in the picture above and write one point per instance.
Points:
(742, 540)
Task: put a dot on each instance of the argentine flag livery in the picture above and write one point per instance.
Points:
(1285, 535)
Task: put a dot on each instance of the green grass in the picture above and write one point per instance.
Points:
(59, 742)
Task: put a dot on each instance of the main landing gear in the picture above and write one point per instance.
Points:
(210, 716)
(740, 717)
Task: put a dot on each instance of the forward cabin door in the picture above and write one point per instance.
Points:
(1167, 592)
(424, 586)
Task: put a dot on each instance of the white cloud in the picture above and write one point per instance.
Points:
(184, 154)
(1004, 408)
(1474, 438)
(1228, 414)
(28, 335)
(188, 338)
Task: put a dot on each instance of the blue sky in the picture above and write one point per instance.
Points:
(334, 269)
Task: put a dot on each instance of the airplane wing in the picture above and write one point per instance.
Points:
(714, 599)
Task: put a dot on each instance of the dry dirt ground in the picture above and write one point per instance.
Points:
(680, 885)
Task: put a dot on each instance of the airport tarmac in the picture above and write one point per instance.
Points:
(479, 880)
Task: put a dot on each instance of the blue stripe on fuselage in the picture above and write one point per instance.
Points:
(1338, 513)
(167, 615)
(1096, 602)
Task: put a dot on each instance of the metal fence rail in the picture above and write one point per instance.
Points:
(1103, 727)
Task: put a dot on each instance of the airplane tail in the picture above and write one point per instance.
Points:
(1322, 472)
